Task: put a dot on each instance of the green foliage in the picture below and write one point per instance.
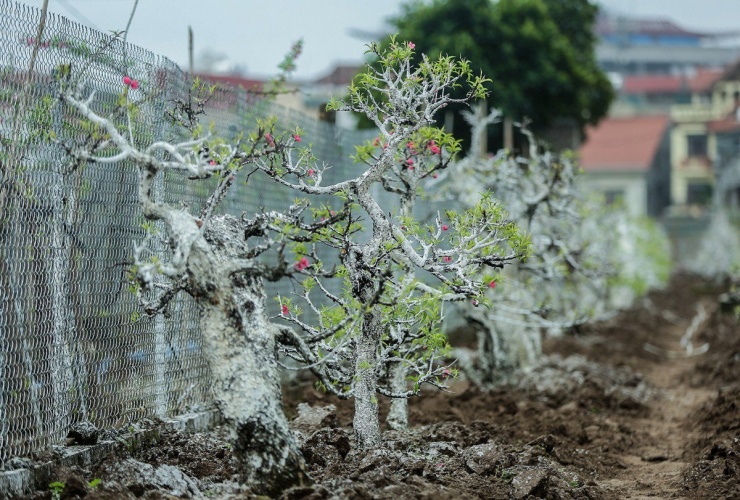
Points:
(368, 90)
(149, 227)
(287, 66)
(40, 120)
(488, 213)
(539, 54)
(561, 77)
(56, 489)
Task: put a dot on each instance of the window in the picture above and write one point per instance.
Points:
(612, 196)
(699, 193)
(697, 144)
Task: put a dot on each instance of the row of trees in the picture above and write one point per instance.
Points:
(577, 272)
(379, 335)
(383, 318)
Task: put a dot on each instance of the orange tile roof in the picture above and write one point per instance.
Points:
(702, 81)
(652, 84)
(623, 144)
(340, 76)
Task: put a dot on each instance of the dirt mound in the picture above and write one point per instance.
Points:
(620, 410)
(715, 455)
(460, 461)
(721, 365)
(715, 471)
(206, 457)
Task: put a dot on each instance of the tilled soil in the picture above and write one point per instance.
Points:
(622, 411)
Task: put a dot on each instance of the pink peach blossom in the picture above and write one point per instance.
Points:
(301, 264)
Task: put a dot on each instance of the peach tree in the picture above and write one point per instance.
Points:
(380, 334)
(215, 258)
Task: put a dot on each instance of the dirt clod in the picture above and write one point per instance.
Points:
(82, 433)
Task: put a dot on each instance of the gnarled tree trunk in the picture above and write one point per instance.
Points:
(240, 345)
(366, 424)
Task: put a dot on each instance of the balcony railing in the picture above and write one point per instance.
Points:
(696, 113)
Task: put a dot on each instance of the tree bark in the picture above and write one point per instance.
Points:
(240, 345)
(398, 417)
(366, 424)
(508, 133)
(247, 392)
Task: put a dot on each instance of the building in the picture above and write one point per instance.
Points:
(315, 95)
(628, 159)
(639, 46)
(727, 161)
(655, 94)
(308, 98)
(658, 67)
(704, 143)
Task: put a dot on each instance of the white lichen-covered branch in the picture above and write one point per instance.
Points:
(214, 259)
(387, 317)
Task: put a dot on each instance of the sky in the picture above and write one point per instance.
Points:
(255, 35)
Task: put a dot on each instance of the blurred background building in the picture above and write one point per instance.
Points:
(689, 83)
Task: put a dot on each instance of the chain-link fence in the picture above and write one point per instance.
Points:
(73, 344)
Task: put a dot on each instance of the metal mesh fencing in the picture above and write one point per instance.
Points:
(73, 343)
